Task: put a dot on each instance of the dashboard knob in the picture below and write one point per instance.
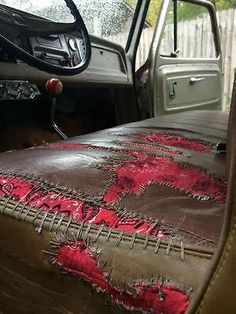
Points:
(76, 60)
(54, 87)
(72, 44)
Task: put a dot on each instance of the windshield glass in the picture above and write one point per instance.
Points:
(109, 19)
(54, 10)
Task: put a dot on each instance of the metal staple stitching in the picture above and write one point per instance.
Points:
(119, 238)
(53, 220)
(26, 214)
(52, 186)
(60, 222)
(99, 232)
(87, 230)
(37, 214)
(68, 225)
(40, 227)
(108, 235)
(146, 242)
(157, 245)
(132, 240)
(169, 247)
(78, 235)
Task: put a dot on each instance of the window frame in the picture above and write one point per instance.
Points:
(213, 19)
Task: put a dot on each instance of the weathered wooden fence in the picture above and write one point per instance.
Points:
(195, 41)
(227, 24)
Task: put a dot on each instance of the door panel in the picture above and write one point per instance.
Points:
(185, 58)
(186, 87)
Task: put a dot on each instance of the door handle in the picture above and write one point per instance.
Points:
(195, 80)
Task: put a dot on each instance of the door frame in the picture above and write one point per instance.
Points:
(155, 61)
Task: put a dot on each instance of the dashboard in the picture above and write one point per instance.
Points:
(108, 64)
(57, 44)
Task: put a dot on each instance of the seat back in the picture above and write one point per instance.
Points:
(220, 287)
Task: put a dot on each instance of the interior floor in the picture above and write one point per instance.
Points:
(24, 124)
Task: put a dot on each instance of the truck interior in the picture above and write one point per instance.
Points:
(114, 179)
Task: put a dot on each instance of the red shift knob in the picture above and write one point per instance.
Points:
(54, 87)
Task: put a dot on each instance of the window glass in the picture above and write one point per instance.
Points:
(54, 10)
(191, 36)
(108, 19)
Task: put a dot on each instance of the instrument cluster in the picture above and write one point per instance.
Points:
(65, 50)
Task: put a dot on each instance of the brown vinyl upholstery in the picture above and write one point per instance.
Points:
(30, 284)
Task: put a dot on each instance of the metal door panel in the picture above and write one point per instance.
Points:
(185, 87)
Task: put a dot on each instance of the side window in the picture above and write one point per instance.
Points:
(188, 32)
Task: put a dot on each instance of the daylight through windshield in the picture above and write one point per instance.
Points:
(109, 19)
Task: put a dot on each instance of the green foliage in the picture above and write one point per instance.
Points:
(186, 11)
(189, 11)
(153, 12)
(224, 4)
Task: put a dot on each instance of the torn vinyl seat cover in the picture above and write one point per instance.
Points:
(139, 217)
(134, 212)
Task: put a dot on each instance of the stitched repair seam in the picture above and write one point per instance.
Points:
(218, 196)
(52, 187)
(113, 164)
(128, 153)
(76, 208)
(63, 190)
(84, 264)
(144, 137)
(61, 224)
(60, 240)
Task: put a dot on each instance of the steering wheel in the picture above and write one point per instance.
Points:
(49, 67)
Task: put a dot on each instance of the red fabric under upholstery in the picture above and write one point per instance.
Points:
(140, 169)
(37, 196)
(157, 297)
(174, 140)
(141, 164)
(135, 174)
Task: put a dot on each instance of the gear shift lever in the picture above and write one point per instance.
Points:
(54, 88)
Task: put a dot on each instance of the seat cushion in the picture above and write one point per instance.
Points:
(135, 211)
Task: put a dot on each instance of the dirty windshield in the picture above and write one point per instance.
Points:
(109, 19)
